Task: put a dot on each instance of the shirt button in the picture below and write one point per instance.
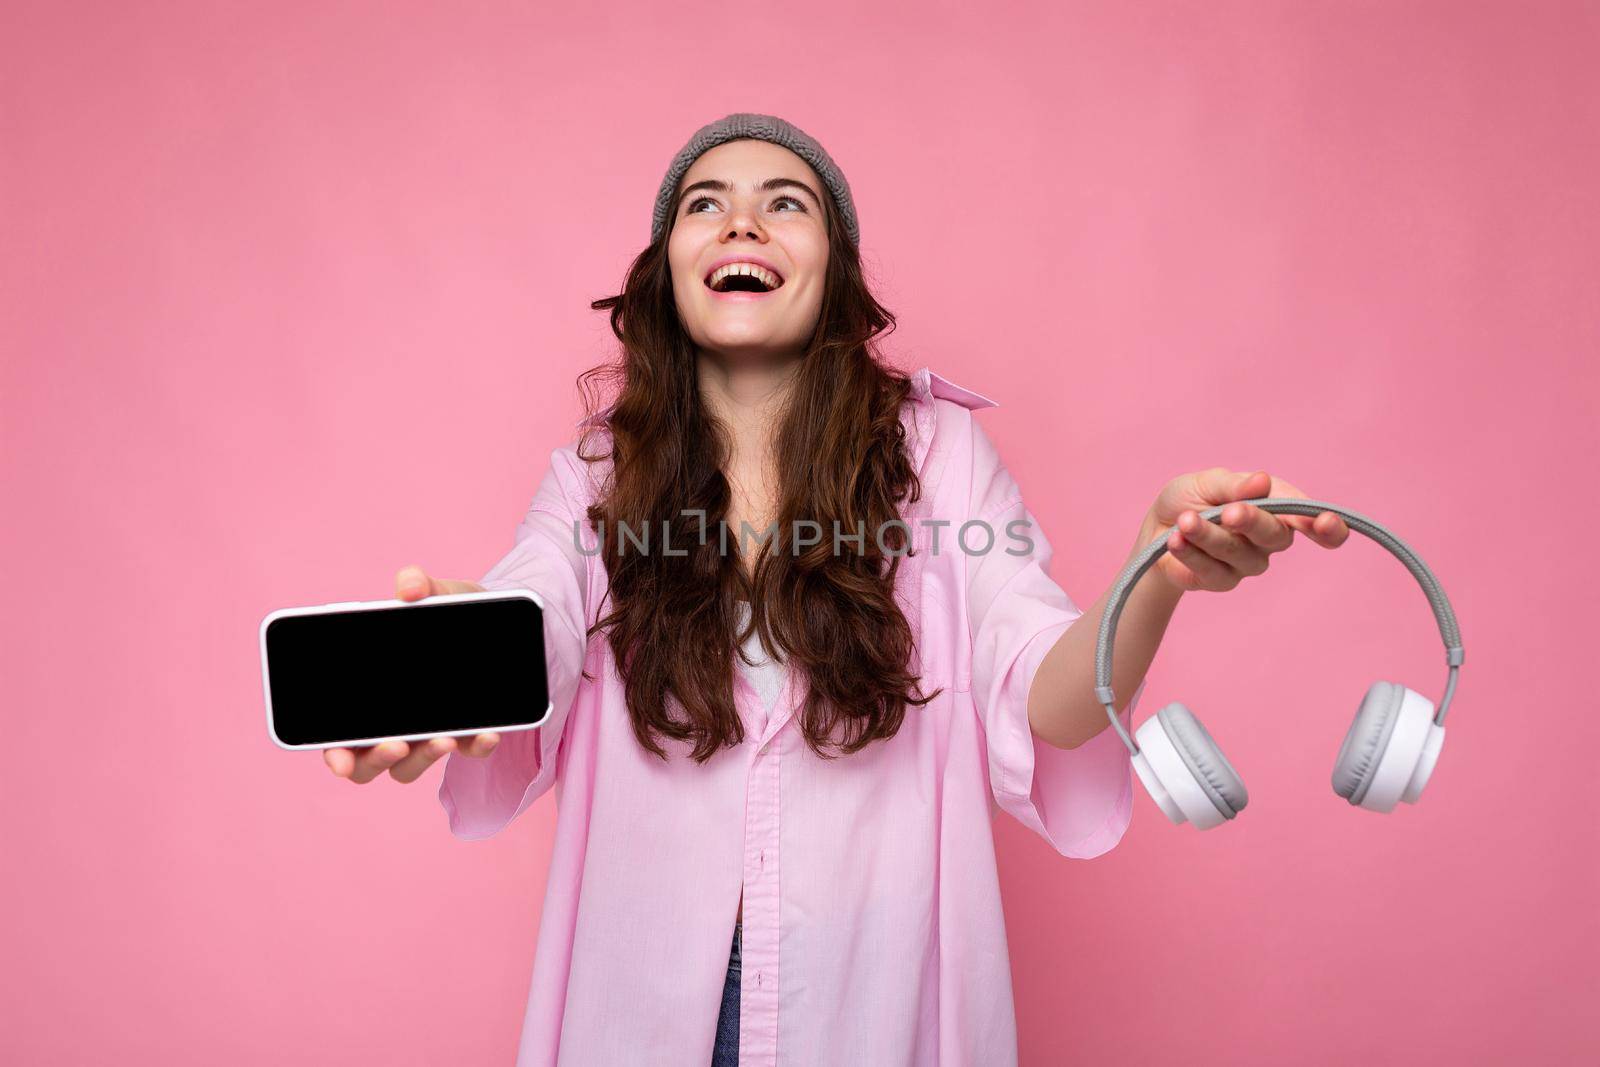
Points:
(762, 751)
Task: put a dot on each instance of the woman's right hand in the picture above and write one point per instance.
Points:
(407, 762)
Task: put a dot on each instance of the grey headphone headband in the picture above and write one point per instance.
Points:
(1442, 612)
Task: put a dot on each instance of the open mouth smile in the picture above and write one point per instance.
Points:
(743, 280)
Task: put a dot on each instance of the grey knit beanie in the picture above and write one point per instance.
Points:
(744, 124)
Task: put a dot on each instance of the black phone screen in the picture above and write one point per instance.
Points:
(411, 669)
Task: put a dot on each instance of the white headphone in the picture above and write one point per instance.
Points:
(1388, 753)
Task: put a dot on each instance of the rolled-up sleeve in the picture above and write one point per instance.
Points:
(482, 796)
(1080, 800)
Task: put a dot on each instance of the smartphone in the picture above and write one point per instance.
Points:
(360, 672)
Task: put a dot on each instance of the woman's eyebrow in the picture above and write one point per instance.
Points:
(717, 185)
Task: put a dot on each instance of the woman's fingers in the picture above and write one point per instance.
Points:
(423, 755)
(405, 763)
(1262, 528)
(479, 745)
(374, 761)
(1229, 549)
(1216, 555)
(426, 754)
(1203, 570)
(412, 583)
(1326, 528)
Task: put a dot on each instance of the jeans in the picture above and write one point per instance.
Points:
(725, 1053)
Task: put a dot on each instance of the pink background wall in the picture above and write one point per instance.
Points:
(292, 299)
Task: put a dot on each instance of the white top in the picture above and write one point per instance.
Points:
(765, 674)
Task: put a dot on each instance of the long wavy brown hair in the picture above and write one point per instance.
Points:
(842, 457)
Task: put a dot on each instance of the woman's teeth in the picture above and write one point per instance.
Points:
(761, 280)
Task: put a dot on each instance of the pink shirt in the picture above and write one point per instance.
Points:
(873, 930)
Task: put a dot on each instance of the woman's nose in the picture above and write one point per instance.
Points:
(744, 220)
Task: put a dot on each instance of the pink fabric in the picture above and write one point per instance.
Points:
(873, 930)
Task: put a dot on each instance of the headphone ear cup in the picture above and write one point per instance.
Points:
(1365, 740)
(1185, 772)
(1390, 749)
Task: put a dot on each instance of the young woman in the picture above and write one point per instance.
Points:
(800, 634)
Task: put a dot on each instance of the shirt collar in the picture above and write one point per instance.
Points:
(920, 416)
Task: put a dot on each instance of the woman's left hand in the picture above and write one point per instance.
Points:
(1204, 554)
